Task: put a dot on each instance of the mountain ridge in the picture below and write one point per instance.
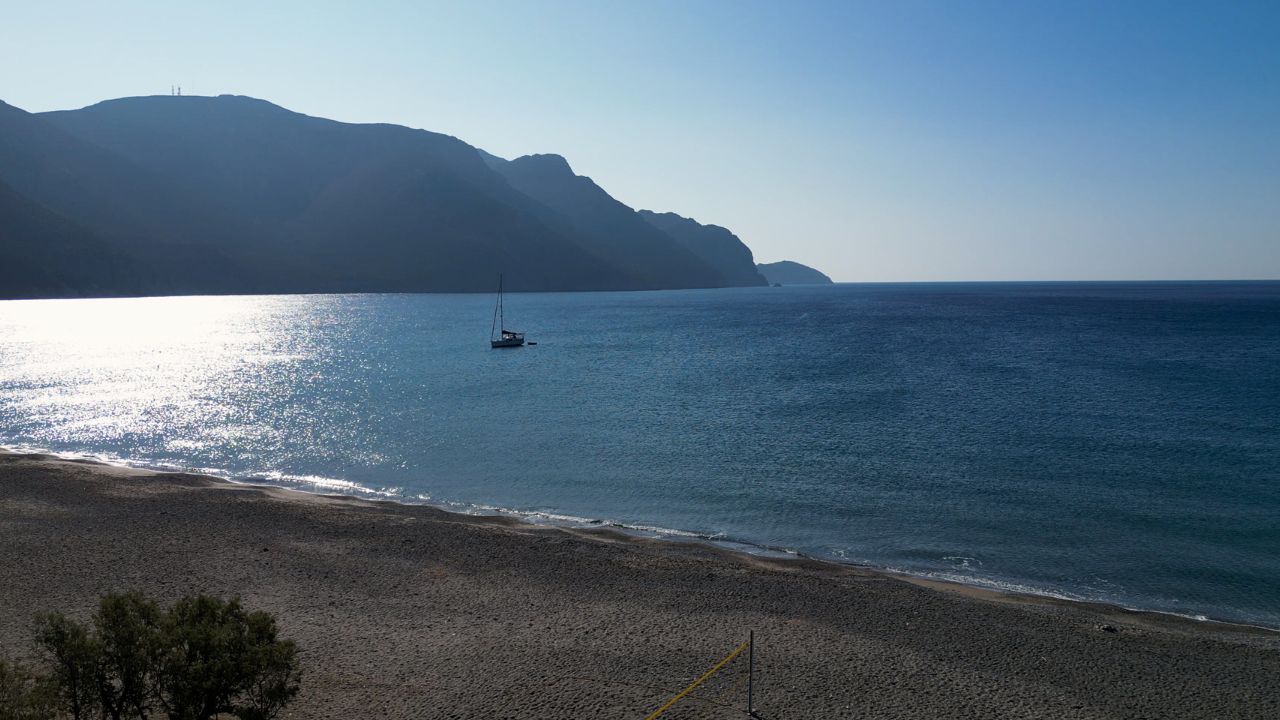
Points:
(624, 237)
(232, 194)
(716, 245)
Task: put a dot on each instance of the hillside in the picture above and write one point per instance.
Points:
(316, 205)
(232, 194)
(717, 246)
(620, 234)
(46, 254)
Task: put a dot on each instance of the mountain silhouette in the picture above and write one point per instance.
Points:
(61, 192)
(717, 246)
(45, 253)
(232, 194)
(787, 272)
(617, 232)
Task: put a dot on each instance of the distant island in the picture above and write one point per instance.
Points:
(787, 272)
(168, 195)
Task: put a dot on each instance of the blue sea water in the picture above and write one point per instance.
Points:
(1109, 441)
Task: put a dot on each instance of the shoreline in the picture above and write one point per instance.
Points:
(590, 526)
(410, 611)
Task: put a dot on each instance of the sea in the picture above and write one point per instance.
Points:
(1113, 442)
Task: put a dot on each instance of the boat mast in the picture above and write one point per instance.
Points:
(497, 308)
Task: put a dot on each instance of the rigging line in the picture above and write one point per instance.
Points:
(495, 308)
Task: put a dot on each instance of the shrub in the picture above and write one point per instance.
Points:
(202, 657)
(126, 628)
(74, 656)
(24, 695)
(217, 658)
(272, 670)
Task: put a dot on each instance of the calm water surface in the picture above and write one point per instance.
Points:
(1117, 442)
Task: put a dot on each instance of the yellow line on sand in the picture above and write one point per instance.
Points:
(698, 682)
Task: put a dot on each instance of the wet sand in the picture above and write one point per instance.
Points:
(408, 611)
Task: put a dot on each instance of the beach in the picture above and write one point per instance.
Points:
(407, 611)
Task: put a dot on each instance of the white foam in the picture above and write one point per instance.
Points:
(323, 484)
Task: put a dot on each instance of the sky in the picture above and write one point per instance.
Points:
(877, 141)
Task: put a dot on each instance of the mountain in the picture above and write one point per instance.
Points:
(232, 194)
(309, 204)
(621, 235)
(46, 254)
(78, 220)
(792, 273)
(84, 181)
(717, 246)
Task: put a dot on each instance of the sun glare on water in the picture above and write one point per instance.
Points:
(103, 368)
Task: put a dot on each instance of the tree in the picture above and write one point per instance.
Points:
(202, 657)
(217, 658)
(199, 664)
(127, 629)
(25, 695)
(74, 656)
(271, 668)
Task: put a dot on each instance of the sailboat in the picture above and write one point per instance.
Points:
(507, 338)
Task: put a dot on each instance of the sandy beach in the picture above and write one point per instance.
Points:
(411, 612)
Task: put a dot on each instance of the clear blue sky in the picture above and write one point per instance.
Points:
(875, 140)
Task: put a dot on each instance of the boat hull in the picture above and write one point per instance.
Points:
(514, 342)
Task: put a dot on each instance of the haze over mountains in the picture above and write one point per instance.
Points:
(229, 194)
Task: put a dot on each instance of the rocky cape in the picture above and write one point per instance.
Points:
(787, 272)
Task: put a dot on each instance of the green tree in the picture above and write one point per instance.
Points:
(25, 695)
(202, 657)
(216, 658)
(271, 671)
(127, 628)
(74, 656)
